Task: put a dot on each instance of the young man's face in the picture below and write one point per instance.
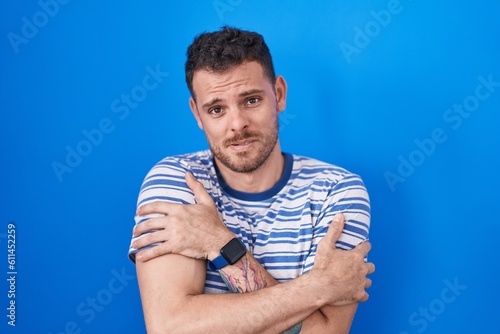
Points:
(238, 111)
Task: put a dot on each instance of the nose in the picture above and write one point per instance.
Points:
(238, 120)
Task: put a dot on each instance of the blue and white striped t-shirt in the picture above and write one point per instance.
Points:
(282, 226)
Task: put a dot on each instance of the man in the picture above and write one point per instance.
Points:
(269, 223)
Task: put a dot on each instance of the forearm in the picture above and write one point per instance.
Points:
(271, 310)
(185, 309)
(248, 275)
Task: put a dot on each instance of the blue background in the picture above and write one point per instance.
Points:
(364, 109)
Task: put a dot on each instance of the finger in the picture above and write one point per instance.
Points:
(149, 225)
(200, 193)
(368, 283)
(149, 239)
(365, 297)
(364, 248)
(335, 229)
(371, 268)
(153, 252)
(157, 207)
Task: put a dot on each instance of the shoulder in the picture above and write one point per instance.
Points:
(174, 168)
(193, 162)
(334, 189)
(167, 177)
(322, 173)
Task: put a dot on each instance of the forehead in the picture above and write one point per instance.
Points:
(249, 75)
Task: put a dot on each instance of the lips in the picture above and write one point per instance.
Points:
(240, 141)
(243, 143)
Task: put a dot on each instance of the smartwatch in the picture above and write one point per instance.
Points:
(229, 254)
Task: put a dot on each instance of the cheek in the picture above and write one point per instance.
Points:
(269, 120)
(214, 133)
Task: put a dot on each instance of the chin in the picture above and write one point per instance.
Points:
(241, 162)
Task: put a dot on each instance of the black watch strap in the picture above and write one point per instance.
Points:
(229, 254)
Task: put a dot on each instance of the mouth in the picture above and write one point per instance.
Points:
(242, 145)
(243, 142)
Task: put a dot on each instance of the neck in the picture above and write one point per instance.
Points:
(262, 179)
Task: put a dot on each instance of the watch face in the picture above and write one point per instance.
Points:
(233, 251)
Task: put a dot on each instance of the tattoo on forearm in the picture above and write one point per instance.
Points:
(252, 278)
(229, 281)
(294, 329)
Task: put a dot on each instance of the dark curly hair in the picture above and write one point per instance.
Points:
(221, 50)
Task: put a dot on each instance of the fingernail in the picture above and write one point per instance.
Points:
(336, 219)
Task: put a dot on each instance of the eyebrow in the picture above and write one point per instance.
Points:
(211, 102)
(251, 92)
(243, 94)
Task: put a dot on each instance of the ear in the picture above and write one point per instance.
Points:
(280, 89)
(194, 110)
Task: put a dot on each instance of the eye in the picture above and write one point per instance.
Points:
(253, 100)
(215, 111)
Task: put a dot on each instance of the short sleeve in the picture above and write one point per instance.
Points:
(165, 182)
(349, 197)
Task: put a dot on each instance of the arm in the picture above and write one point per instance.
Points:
(247, 274)
(349, 196)
(173, 299)
(184, 309)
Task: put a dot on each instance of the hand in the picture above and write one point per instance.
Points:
(193, 230)
(341, 274)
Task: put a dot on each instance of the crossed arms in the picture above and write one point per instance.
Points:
(172, 275)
